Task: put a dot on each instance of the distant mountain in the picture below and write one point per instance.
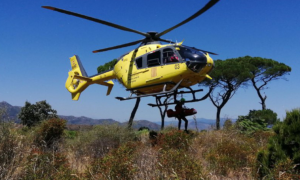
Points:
(13, 111)
(144, 123)
(86, 120)
(200, 123)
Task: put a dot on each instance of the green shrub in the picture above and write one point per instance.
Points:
(174, 139)
(179, 164)
(47, 165)
(269, 116)
(228, 154)
(283, 147)
(256, 120)
(98, 141)
(71, 134)
(50, 131)
(228, 125)
(118, 164)
(175, 160)
(10, 147)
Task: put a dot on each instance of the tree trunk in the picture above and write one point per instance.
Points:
(263, 104)
(218, 118)
(162, 113)
(263, 99)
(133, 112)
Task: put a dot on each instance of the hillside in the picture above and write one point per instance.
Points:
(13, 111)
(200, 123)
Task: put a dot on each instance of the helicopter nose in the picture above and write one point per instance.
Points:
(198, 62)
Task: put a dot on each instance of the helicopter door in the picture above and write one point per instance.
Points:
(154, 64)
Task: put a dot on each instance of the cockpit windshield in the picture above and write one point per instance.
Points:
(190, 54)
(195, 59)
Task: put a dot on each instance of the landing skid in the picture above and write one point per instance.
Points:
(164, 92)
(163, 98)
(158, 102)
(162, 101)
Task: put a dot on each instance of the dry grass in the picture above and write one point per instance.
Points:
(113, 152)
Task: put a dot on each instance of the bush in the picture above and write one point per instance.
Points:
(228, 125)
(32, 114)
(97, 142)
(229, 154)
(174, 139)
(118, 164)
(253, 122)
(47, 165)
(174, 157)
(50, 131)
(179, 164)
(283, 147)
(10, 148)
(71, 134)
(269, 116)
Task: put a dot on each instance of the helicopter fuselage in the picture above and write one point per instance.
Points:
(147, 68)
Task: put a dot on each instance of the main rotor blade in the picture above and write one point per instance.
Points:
(167, 41)
(204, 51)
(205, 8)
(95, 20)
(119, 46)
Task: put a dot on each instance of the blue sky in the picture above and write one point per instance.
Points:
(36, 43)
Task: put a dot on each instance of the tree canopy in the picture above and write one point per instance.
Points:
(107, 66)
(31, 114)
(263, 71)
(228, 76)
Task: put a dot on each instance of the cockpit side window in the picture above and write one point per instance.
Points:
(169, 56)
(153, 59)
(139, 62)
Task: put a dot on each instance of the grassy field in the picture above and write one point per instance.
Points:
(114, 152)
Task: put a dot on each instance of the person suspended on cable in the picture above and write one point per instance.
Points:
(180, 115)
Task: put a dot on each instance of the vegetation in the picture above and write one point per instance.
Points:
(107, 66)
(263, 71)
(283, 153)
(269, 116)
(32, 114)
(227, 76)
(256, 120)
(231, 74)
(51, 131)
(114, 152)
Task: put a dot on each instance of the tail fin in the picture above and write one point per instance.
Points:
(78, 79)
(81, 68)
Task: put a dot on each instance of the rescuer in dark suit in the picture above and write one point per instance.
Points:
(180, 113)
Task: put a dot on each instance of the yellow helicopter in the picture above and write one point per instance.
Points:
(152, 69)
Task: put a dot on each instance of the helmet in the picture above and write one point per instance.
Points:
(182, 100)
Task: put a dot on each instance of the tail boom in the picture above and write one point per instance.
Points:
(78, 80)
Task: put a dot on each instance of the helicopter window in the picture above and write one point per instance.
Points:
(169, 56)
(153, 59)
(139, 62)
(189, 54)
